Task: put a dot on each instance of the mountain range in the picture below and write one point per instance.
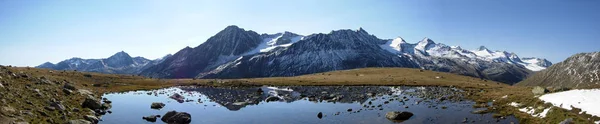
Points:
(238, 53)
(119, 63)
(578, 71)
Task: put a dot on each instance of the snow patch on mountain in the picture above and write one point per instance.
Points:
(427, 48)
(270, 42)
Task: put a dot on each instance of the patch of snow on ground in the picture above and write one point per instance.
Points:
(586, 100)
(531, 111)
(514, 104)
(543, 114)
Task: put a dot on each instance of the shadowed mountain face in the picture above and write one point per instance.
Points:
(239, 53)
(580, 70)
(119, 63)
(226, 46)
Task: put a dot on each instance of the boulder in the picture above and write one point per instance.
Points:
(79, 121)
(91, 118)
(398, 115)
(157, 105)
(537, 90)
(69, 86)
(177, 97)
(151, 118)
(320, 115)
(174, 117)
(67, 91)
(92, 103)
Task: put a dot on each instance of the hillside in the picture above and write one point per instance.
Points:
(578, 71)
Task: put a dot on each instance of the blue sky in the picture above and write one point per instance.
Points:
(36, 31)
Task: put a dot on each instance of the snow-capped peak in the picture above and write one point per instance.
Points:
(423, 44)
(482, 48)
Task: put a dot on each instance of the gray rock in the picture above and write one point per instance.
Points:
(91, 118)
(177, 97)
(272, 98)
(151, 118)
(537, 90)
(79, 121)
(58, 106)
(67, 91)
(105, 106)
(177, 117)
(157, 105)
(92, 103)
(567, 121)
(69, 86)
(398, 115)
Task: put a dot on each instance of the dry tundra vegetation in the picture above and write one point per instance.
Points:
(26, 92)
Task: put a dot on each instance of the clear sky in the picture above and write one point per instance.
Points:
(36, 31)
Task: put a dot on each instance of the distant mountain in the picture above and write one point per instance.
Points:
(119, 63)
(238, 53)
(579, 70)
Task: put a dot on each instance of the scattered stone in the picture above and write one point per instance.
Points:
(151, 118)
(105, 106)
(349, 110)
(58, 106)
(75, 110)
(537, 90)
(178, 97)
(177, 117)
(398, 115)
(91, 102)
(67, 91)
(272, 98)
(320, 115)
(481, 111)
(69, 86)
(405, 106)
(49, 108)
(91, 118)
(157, 105)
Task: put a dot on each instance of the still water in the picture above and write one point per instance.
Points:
(368, 104)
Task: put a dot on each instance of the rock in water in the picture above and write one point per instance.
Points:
(539, 90)
(157, 105)
(398, 115)
(177, 97)
(174, 117)
(151, 118)
(320, 115)
(272, 98)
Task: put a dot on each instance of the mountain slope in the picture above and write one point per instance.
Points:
(579, 70)
(119, 63)
(338, 50)
(225, 46)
